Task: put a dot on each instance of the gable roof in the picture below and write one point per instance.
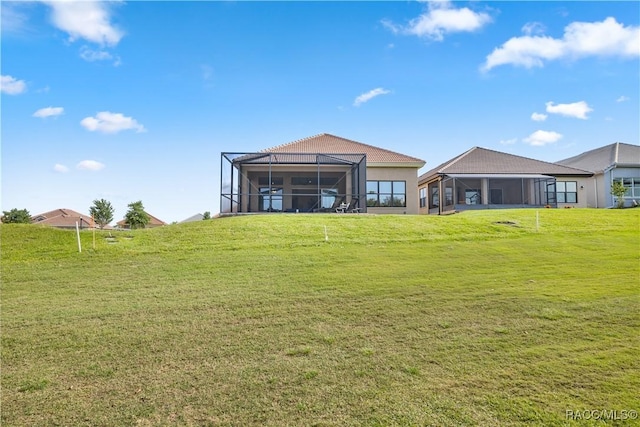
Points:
(62, 218)
(331, 144)
(194, 218)
(152, 221)
(600, 159)
(484, 161)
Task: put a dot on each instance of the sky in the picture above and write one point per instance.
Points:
(129, 101)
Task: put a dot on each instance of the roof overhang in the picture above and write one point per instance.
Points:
(416, 165)
(499, 175)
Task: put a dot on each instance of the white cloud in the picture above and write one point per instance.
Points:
(88, 20)
(91, 55)
(366, 97)
(509, 141)
(531, 28)
(108, 122)
(48, 112)
(11, 85)
(60, 168)
(538, 117)
(542, 137)
(580, 39)
(90, 165)
(440, 19)
(13, 20)
(622, 99)
(579, 110)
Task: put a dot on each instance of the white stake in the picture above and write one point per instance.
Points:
(326, 236)
(78, 234)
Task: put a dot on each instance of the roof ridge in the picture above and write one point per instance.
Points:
(456, 159)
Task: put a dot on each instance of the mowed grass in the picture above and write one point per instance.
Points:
(477, 318)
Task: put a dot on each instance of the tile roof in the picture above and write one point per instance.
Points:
(327, 143)
(599, 159)
(152, 221)
(484, 161)
(62, 218)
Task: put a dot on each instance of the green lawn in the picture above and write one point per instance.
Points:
(478, 318)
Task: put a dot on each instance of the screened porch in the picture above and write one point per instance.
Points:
(291, 182)
(459, 192)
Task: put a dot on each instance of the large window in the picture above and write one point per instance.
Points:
(270, 199)
(387, 193)
(566, 191)
(631, 186)
(423, 197)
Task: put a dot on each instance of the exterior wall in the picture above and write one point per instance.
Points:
(585, 192)
(619, 173)
(409, 175)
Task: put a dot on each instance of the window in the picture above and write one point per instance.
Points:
(631, 185)
(567, 192)
(271, 199)
(423, 197)
(275, 180)
(386, 193)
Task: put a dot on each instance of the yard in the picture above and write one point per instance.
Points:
(481, 318)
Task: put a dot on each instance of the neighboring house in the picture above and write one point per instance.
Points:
(153, 222)
(194, 218)
(317, 174)
(63, 218)
(614, 162)
(487, 179)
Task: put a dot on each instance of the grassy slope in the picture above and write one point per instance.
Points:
(395, 320)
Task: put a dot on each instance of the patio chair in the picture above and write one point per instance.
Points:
(354, 206)
(342, 208)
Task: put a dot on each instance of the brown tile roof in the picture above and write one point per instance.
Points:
(153, 221)
(66, 218)
(599, 159)
(327, 143)
(484, 161)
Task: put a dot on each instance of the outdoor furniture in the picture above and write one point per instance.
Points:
(342, 208)
(354, 206)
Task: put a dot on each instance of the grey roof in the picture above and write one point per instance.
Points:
(327, 143)
(193, 218)
(482, 161)
(600, 159)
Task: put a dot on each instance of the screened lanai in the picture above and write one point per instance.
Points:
(459, 192)
(291, 182)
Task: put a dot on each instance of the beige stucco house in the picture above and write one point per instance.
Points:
(318, 174)
(611, 163)
(486, 179)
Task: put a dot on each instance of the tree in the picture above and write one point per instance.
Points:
(136, 217)
(206, 215)
(102, 212)
(16, 216)
(618, 190)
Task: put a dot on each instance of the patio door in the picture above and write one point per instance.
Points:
(495, 196)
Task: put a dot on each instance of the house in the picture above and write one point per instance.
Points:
(193, 218)
(613, 162)
(153, 222)
(485, 179)
(63, 218)
(317, 174)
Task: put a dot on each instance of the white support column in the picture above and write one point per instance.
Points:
(484, 183)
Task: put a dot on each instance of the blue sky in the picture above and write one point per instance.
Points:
(136, 100)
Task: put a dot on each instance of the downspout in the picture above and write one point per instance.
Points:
(595, 188)
(440, 196)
